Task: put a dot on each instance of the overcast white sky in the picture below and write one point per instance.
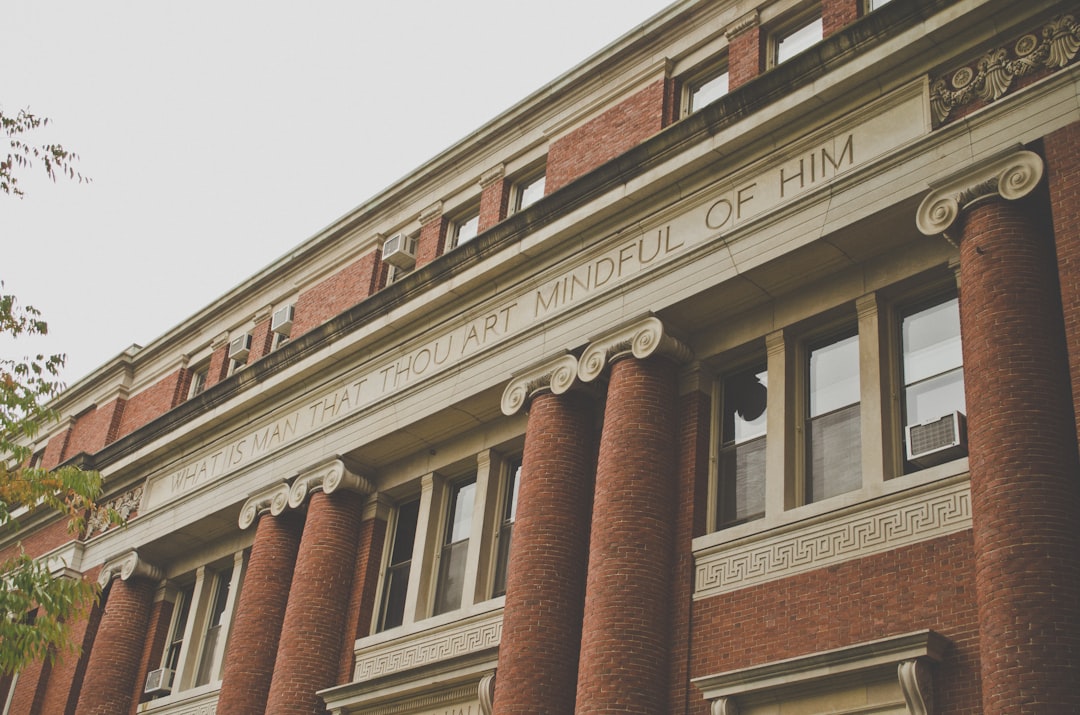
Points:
(219, 135)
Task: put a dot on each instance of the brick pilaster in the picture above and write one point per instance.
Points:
(1022, 446)
(365, 583)
(625, 630)
(494, 198)
(746, 51)
(548, 555)
(256, 627)
(311, 642)
(432, 241)
(838, 14)
(110, 685)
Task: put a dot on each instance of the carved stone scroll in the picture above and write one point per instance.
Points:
(557, 375)
(127, 566)
(272, 500)
(329, 477)
(639, 339)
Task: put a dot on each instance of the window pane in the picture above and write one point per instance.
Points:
(834, 376)
(397, 583)
(742, 483)
(222, 584)
(461, 512)
(405, 532)
(932, 341)
(745, 397)
(708, 91)
(466, 229)
(834, 461)
(931, 399)
(451, 577)
(530, 191)
(792, 43)
(176, 638)
(506, 530)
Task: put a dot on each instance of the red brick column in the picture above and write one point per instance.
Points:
(625, 631)
(312, 639)
(256, 627)
(109, 686)
(1022, 448)
(545, 589)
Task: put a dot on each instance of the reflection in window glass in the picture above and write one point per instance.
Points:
(792, 43)
(741, 491)
(530, 191)
(455, 548)
(707, 91)
(466, 229)
(180, 619)
(396, 580)
(214, 626)
(875, 4)
(833, 457)
(506, 528)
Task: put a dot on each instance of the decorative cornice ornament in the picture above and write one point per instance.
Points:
(639, 339)
(744, 23)
(917, 683)
(556, 375)
(991, 76)
(273, 500)
(127, 566)
(1011, 176)
(487, 693)
(126, 505)
(329, 477)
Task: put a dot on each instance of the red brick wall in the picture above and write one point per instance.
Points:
(261, 340)
(54, 450)
(838, 14)
(746, 57)
(95, 429)
(604, 137)
(1023, 457)
(432, 241)
(30, 688)
(494, 203)
(40, 540)
(362, 599)
(336, 294)
(926, 585)
(218, 369)
(1063, 172)
(152, 402)
(692, 501)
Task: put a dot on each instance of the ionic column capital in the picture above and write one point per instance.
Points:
(127, 566)
(328, 476)
(273, 499)
(641, 339)
(1010, 176)
(556, 376)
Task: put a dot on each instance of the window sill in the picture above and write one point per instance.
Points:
(908, 509)
(200, 699)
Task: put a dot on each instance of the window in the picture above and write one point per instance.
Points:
(466, 228)
(506, 526)
(198, 380)
(741, 482)
(932, 364)
(872, 5)
(396, 578)
(833, 465)
(528, 191)
(195, 648)
(793, 40)
(455, 547)
(706, 89)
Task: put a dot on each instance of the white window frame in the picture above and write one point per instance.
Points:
(466, 217)
(700, 79)
(790, 29)
(521, 187)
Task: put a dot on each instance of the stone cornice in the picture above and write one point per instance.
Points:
(329, 477)
(556, 376)
(1009, 176)
(273, 499)
(127, 566)
(641, 339)
(744, 23)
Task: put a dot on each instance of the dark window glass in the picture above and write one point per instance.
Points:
(396, 580)
(741, 491)
(214, 626)
(176, 637)
(506, 527)
(455, 548)
(833, 435)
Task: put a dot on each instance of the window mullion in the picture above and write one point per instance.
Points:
(876, 426)
(420, 598)
(782, 488)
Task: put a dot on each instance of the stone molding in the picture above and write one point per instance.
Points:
(909, 654)
(426, 648)
(640, 339)
(329, 477)
(125, 505)
(199, 704)
(744, 23)
(487, 693)
(991, 76)
(420, 703)
(873, 528)
(556, 376)
(431, 213)
(492, 175)
(1010, 176)
(273, 499)
(127, 566)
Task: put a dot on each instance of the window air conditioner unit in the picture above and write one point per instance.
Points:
(281, 323)
(937, 441)
(159, 682)
(240, 347)
(399, 251)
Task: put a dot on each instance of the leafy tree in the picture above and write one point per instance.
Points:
(35, 605)
(21, 155)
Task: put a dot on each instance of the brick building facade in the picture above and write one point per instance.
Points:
(735, 371)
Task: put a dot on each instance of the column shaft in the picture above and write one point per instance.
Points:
(256, 627)
(545, 590)
(110, 686)
(1023, 460)
(624, 642)
(312, 631)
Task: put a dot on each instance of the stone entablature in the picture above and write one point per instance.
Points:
(872, 527)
